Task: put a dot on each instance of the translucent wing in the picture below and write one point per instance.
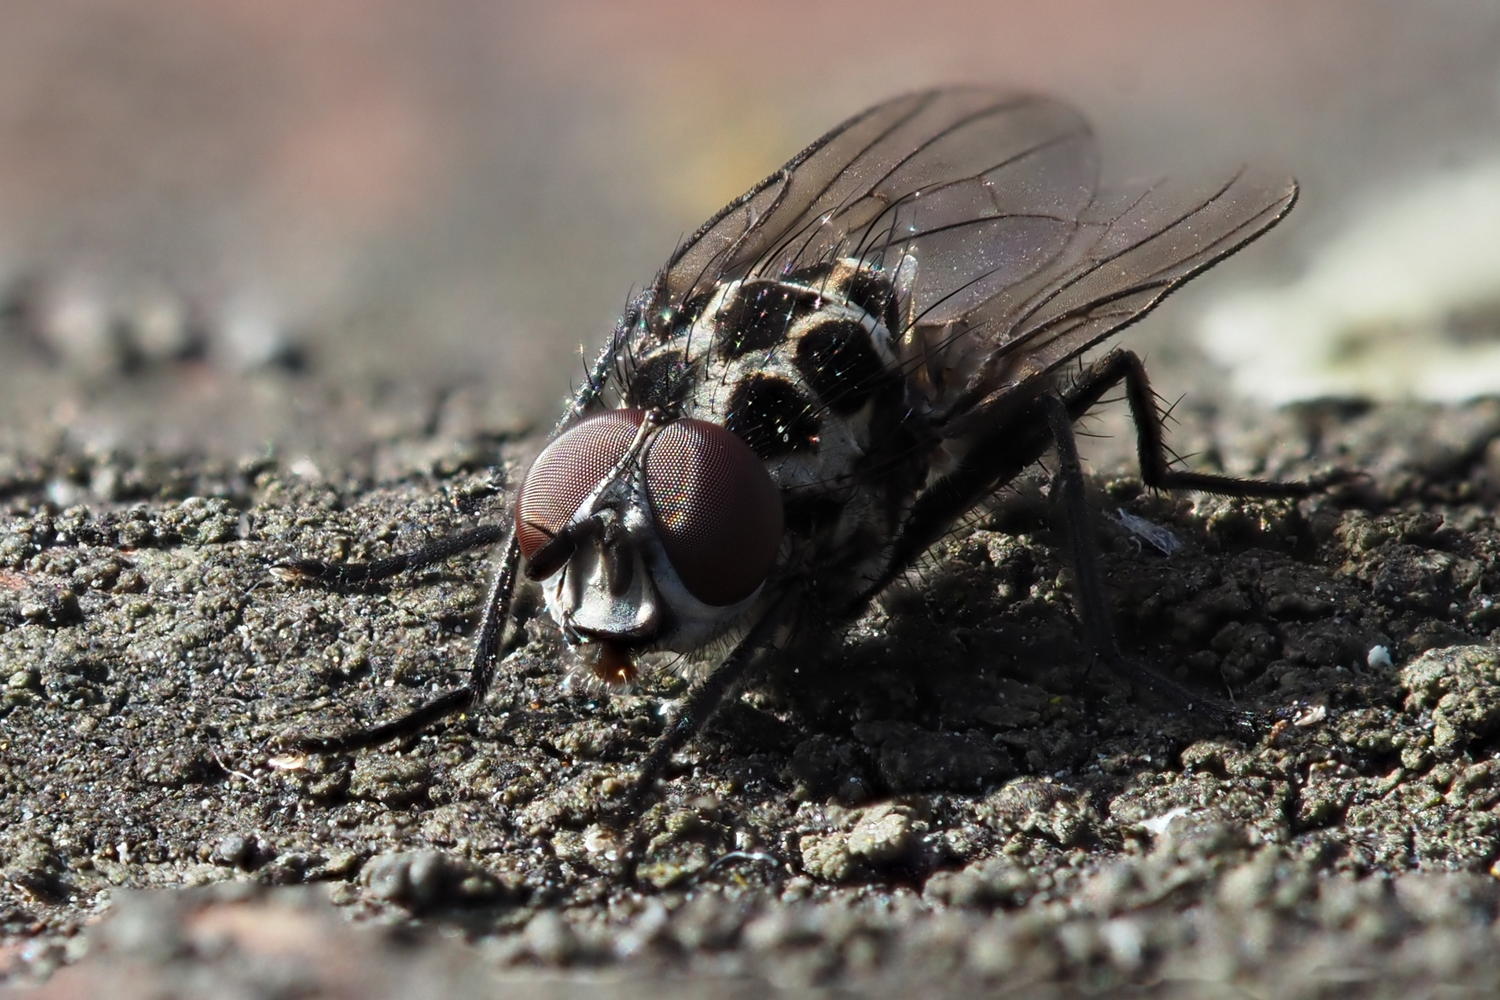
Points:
(986, 183)
(1128, 251)
(985, 209)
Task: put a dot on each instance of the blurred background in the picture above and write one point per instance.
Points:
(202, 200)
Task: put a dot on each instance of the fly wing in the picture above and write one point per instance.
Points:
(983, 189)
(1129, 251)
(984, 210)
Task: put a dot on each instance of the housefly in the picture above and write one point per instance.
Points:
(826, 377)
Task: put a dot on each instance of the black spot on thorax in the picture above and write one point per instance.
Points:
(759, 314)
(668, 322)
(772, 416)
(872, 292)
(840, 363)
(662, 380)
(812, 276)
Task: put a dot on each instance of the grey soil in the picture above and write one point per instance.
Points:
(948, 797)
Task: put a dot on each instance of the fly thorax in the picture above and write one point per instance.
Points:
(806, 370)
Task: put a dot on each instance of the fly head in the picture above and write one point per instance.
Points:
(647, 532)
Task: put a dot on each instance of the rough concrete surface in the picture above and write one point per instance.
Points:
(946, 796)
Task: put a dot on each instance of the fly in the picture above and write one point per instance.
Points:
(827, 376)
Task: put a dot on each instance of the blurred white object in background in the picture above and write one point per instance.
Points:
(1402, 302)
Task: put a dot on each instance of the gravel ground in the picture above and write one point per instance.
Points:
(946, 797)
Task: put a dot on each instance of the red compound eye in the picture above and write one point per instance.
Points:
(567, 471)
(717, 512)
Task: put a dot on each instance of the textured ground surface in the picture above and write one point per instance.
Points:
(946, 794)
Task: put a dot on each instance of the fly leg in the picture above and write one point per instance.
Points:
(1020, 436)
(343, 575)
(1150, 444)
(696, 709)
(700, 704)
(487, 646)
(1122, 366)
(497, 604)
(1068, 495)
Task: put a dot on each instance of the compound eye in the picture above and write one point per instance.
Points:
(567, 471)
(717, 512)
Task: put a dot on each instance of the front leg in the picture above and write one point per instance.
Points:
(767, 636)
(486, 655)
(344, 575)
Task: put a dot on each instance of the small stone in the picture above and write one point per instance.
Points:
(550, 939)
(884, 834)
